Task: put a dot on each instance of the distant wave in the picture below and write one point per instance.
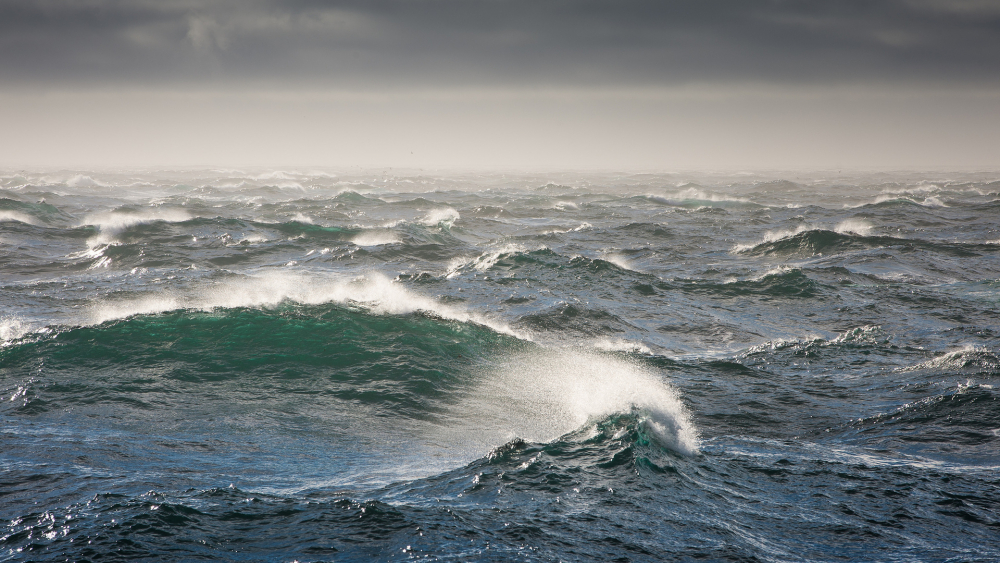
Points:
(856, 226)
(513, 256)
(112, 223)
(82, 181)
(620, 261)
(646, 230)
(806, 241)
(969, 359)
(692, 198)
(868, 336)
(376, 237)
(779, 282)
(37, 214)
(7, 215)
(509, 254)
(575, 318)
(904, 198)
(966, 415)
(443, 217)
(581, 227)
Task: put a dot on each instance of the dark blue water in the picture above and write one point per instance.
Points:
(280, 366)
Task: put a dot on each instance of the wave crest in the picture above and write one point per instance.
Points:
(375, 292)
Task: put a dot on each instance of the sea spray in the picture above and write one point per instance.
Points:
(539, 394)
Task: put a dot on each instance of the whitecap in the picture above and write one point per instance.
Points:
(112, 223)
(81, 181)
(376, 238)
(620, 261)
(13, 327)
(6, 215)
(250, 239)
(374, 292)
(957, 359)
(777, 271)
(693, 195)
(488, 259)
(701, 195)
(771, 236)
(581, 227)
(276, 175)
(443, 217)
(929, 201)
(484, 261)
(855, 226)
(621, 345)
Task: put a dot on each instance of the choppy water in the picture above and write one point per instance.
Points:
(300, 366)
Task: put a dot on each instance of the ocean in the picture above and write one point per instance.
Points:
(296, 365)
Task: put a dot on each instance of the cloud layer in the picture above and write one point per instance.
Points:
(491, 43)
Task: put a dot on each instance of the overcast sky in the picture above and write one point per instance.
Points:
(636, 84)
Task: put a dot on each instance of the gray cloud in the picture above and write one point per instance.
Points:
(489, 43)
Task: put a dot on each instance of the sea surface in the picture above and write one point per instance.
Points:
(293, 365)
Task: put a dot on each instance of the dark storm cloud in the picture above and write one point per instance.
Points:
(492, 43)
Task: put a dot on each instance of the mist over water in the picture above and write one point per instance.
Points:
(316, 366)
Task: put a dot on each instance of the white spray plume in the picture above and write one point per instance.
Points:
(546, 393)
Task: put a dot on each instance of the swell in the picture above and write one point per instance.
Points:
(968, 415)
(521, 267)
(783, 283)
(514, 257)
(153, 242)
(820, 241)
(569, 318)
(238, 229)
(515, 262)
(30, 213)
(958, 425)
(697, 198)
(483, 386)
(402, 363)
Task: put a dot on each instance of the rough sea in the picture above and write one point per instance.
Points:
(229, 365)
